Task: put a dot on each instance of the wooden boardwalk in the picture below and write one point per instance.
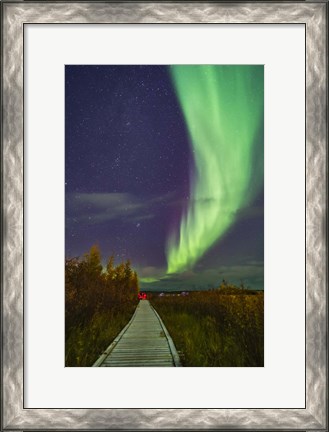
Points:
(144, 341)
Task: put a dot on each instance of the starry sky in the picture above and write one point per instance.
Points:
(139, 177)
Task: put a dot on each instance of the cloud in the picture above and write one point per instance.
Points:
(96, 208)
(250, 272)
(252, 269)
(151, 272)
(140, 218)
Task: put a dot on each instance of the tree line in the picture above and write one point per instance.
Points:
(97, 301)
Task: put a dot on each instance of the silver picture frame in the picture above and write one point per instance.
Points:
(14, 14)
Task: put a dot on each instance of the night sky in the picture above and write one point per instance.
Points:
(141, 183)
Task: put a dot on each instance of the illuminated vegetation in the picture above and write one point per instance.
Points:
(98, 304)
(223, 327)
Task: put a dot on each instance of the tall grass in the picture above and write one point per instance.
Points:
(85, 343)
(224, 327)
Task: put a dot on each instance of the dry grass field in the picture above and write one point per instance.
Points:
(223, 327)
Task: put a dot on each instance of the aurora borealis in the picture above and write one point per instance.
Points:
(164, 166)
(223, 109)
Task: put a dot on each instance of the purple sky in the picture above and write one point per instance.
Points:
(127, 162)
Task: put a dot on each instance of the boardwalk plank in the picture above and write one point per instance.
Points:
(143, 342)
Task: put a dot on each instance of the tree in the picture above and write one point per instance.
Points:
(93, 261)
(110, 271)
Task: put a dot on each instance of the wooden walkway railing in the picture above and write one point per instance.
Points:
(144, 341)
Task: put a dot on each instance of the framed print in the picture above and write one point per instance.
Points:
(164, 204)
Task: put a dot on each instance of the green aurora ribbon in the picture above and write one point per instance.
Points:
(223, 107)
